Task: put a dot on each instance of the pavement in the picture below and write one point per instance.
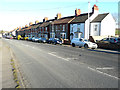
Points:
(56, 66)
(99, 50)
(0, 64)
(6, 74)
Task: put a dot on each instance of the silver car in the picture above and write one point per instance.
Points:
(83, 43)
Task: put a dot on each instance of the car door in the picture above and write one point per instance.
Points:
(80, 42)
(77, 42)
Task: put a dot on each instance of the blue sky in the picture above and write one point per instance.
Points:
(15, 13)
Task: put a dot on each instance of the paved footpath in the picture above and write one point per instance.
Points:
(100, 50)
(7, 76)
(0, 64)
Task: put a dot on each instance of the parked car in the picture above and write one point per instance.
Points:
(43, 40)
(18, 37)
(55, 41)
(25, 38)
(30, 38)
(110, 40)
(83, 43)
(9, 37)
(35, 39)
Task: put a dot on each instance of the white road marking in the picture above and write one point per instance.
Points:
(58, 56)
(26, 45)
(102, 73)
(72, 58)
(105, 68)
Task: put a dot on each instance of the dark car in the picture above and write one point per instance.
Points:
(55, 41)
(43, 40)
(110, 40)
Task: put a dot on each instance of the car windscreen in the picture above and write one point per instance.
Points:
(57, 39)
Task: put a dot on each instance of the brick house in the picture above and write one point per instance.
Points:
(44, 28)
(60, 27)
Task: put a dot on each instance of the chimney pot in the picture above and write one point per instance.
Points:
(30, 23)
(45, 19)
(95, 8)
(36, 22)
(77, 12)
(58, 15)
(26, 25)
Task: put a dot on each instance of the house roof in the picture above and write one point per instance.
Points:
(23, 29)
(100, 17)
(44, 24)
(81, 18)
(63, 20)
(28, 28)
(34, 26)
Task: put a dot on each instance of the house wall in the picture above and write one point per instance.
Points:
(94, 32)
(14, 33)
(74, 28)
(59, 31)
(87, 31)
(108, 26)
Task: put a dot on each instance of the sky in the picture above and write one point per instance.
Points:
(18, 13)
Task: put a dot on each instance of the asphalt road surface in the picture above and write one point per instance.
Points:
(56, 66)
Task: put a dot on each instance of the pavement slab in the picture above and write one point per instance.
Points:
(0, 64)
(7, 76)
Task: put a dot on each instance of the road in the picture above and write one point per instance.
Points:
(56, 66)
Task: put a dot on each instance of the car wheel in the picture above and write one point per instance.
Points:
(85, 46)
(73, 45)
(54, 43)
(79, 46)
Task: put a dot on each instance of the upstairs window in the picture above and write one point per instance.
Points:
(63, 27)
(95, 27)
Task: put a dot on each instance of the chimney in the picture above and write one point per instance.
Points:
(19, 28)
(77, 12)
(30, 23)
(36, 22)
(58, 15)
(26, 25)
(45, 19)
(95, 8)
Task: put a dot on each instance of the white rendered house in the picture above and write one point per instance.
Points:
(99, 25)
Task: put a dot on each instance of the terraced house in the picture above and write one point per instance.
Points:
(44, 28)
(60, 27)
(80, 25)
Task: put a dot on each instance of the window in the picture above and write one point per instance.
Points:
(56, 27)
(78, 27)
(72, 29)
(52, 35)
(95, 27)
(52, 28)
(63, 27)
(60, 27)
(63, 35)
(46, 28)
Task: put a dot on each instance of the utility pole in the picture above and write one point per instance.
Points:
(88, 33)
